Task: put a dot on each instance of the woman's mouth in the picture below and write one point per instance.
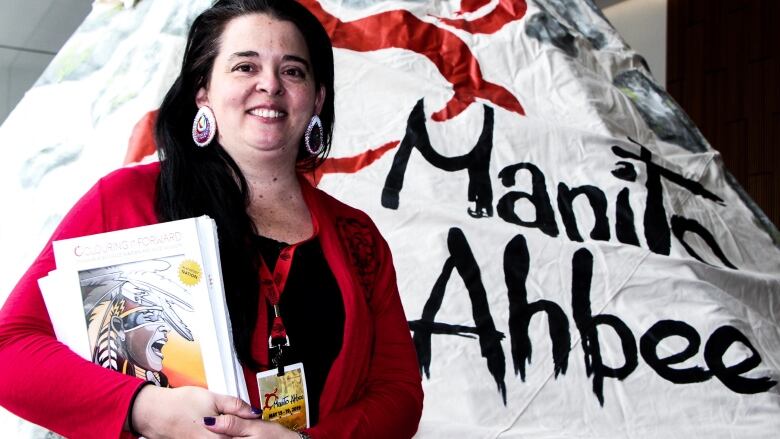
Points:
(267, 113)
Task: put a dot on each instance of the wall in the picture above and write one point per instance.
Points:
(642, 23)
(724, 66)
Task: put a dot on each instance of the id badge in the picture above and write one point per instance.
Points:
(284, 399)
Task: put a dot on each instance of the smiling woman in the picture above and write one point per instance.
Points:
(250, 114)
(262, 91)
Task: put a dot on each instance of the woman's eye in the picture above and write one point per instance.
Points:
(243, 68)
(295, 72)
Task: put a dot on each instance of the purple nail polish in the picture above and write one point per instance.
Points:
(257, 411)
(209, 420)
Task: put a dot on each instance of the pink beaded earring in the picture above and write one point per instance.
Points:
(204, 127)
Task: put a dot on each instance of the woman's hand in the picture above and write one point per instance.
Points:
(161, 413)
(238, 426)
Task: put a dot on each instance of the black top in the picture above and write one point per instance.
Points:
(312, 311)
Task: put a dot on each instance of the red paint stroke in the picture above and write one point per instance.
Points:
(467, 6)
(505, 12)
(141, 142)
(351, 165)
(403, 30)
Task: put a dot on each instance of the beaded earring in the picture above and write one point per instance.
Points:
(204, 127)
(314, 139)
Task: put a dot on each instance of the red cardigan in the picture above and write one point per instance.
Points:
(373, 389)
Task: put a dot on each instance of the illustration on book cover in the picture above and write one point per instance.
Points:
(139, 319)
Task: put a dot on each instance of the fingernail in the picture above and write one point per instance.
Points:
(257, 411)
(209, 420)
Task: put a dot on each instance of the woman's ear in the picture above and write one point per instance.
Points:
(202, 97)
(319, 99)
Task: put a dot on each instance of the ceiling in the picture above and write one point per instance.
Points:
(40, 25)
(31, 33)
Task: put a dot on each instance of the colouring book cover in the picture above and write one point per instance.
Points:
(139, 319)
(149, 302)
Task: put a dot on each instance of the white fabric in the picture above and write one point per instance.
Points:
(577, 99)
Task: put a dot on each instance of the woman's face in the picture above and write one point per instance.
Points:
(261, 89)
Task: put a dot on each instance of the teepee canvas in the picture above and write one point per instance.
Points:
(573, 258)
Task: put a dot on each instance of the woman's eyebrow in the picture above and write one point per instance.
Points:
(297, 59)
(244, 54)
(253, 54)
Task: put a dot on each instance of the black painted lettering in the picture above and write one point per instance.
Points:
(598, 202)
(624, 219)
(717, 345)
(545, 216)
(476, 162)
(657, 230)
(681, 225)
(461, 259)
(668, 328)
(516, 264)
(587, 324)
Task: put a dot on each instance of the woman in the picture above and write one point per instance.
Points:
(257, 79)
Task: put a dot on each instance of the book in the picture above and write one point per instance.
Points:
(147, 301)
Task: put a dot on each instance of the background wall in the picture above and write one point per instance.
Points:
(642, 23)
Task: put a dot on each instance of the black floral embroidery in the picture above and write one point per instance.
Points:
(361, 247)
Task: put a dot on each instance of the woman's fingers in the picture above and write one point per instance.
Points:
(230, 425)
(238, 427)
(234, 406)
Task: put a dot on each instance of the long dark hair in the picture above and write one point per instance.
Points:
(207, 181)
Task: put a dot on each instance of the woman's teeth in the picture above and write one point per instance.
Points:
(262, 112)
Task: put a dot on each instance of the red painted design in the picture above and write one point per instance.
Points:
(505, 12)
(467, 6)
(402, 29)
(349, 165)
(141, 142)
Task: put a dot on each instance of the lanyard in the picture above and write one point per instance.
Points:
(271, 287)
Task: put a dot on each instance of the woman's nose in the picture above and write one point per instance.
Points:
(269, 82)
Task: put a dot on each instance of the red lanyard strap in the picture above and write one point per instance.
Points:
(271, 287)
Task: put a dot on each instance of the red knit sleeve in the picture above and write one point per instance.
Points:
(390, 405)
(43, 381)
